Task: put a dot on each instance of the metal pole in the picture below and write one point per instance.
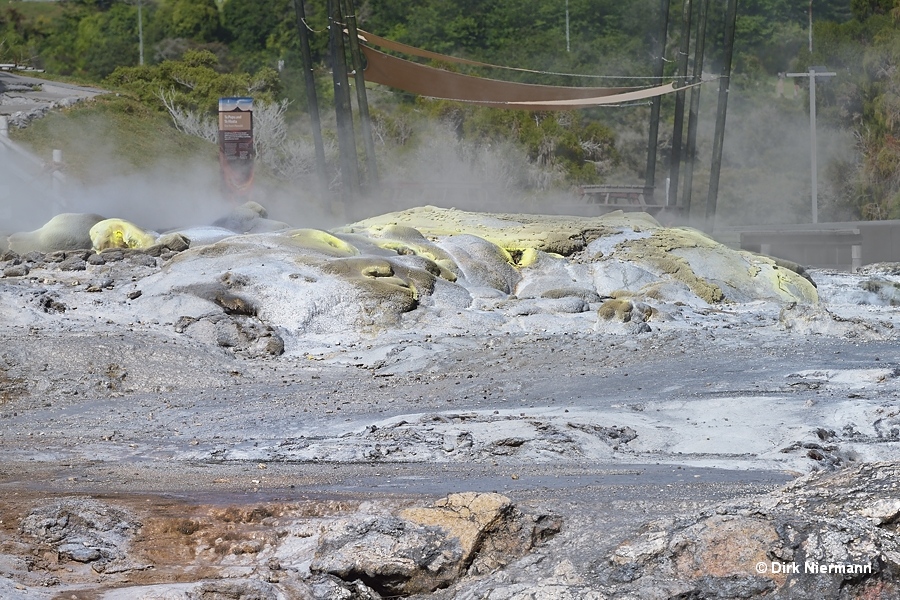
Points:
(311, 96)
(812, 144)
(719, 139)
(658, 66)
(694, 112)
(362, 101)
(568, 48)
(814, 72)
(678, 132)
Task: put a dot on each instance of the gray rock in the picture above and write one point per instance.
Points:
(112, 254)
(84, 530)
(883, 268)
(887, 291)
(328, 587)
(826, 535)
(79, 552)
(142, 259)
(248, 589)
(176, 242)
(482, 263)
(168, 245)
(49, 302)
(73, 263)
(429, 548)
(238, 333)
(584, 294)
(562, 305)
(16, 271)
(390, 555)
(250, 217)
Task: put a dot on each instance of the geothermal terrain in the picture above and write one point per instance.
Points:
(445, 404)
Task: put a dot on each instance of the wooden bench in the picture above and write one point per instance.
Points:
(618, 195)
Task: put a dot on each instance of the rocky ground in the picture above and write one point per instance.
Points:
(27, 98)
(154, 449)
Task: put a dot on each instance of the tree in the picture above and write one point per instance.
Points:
(250, 23)
(863, 9)
(14, 36)
(197, 20)
(107, 40)
(194, 82)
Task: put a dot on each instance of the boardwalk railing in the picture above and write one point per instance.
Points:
(32, 170)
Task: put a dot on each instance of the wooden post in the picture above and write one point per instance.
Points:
(719, 139)
(365, 122)
(56, 170)
(658, 65)
(312, 99)
(343, 112)
(677, 133)
(694, 112)
(140, 34)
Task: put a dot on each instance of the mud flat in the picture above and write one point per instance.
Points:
(446, 404)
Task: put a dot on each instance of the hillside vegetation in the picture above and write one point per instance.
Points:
(197, 50)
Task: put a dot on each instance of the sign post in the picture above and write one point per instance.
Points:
(236, 152)
(813, 73)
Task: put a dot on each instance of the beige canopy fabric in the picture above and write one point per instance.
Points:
(643, 94)
(374, 40)
(436, 83)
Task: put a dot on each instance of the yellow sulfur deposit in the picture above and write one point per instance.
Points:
(119, 233)
(322, 242)
(557, 234)
(408, 240)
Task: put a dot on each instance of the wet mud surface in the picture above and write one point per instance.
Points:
(554, 423)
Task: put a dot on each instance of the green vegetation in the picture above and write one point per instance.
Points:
(198, 50)
(117, 126)
(195, 81)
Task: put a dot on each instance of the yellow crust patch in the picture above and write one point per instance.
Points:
(322, 242)
(119, 233)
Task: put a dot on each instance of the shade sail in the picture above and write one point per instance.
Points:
(436, 83)
(643, 94)
(375, 40)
